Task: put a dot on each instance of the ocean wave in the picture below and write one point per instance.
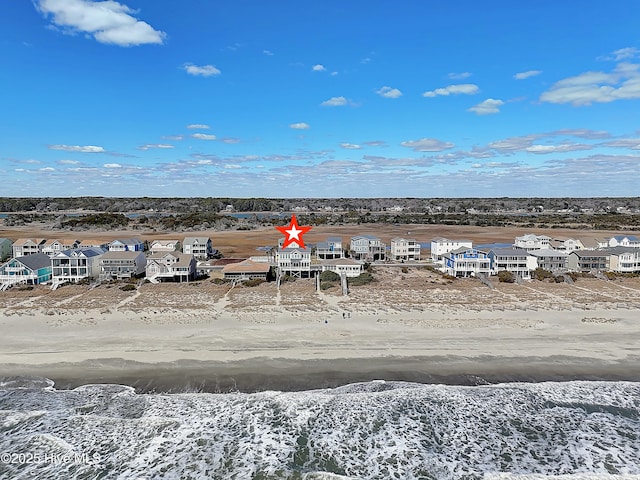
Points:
(370, 430)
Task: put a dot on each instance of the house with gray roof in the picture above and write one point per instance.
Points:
(199, 247)
(76, 264)
(330, 249)
(171, 267)
(121, 265)
(367, 247)
(588, 261)
(619, 241)
(551, 260)
(518, 261)
(30, 269)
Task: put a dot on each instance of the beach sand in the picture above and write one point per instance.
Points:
(414, 326)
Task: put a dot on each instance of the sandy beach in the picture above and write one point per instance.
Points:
(406, 326)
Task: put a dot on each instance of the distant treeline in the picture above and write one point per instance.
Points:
(405, 205)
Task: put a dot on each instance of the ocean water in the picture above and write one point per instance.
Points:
(374, 430)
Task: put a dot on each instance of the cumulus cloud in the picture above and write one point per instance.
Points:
(201, 70)
(78, 148)
(112, 165)
(198, 126)
(527, 74)
(462, 88)
(487, 107)
(300, 126)
(203, 136)
(427, 145)
(596, 87)
(388, 92)
(350, 146)
(318, 68)
(335, 102)
(109, 22)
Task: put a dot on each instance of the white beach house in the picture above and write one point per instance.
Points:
(403, 249)
(440, 246)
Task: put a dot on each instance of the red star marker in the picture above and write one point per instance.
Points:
(293, 233)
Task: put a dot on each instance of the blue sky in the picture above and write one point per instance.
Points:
(319, 99)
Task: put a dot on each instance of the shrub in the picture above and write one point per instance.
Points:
(253, 282)
(326, 285)
(505, 276)
(128, 287)
(361, 279)
(542, 274)
(405, 270)
(558, 278)
(329, 276)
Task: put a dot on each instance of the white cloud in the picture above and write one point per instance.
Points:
(318, 68)
(108, 21)
(350, 146)
(632, 143)
(527, 74)
(388, 92)
(596, 87)
(78, 148)
(198, 126)
(487, 107)
(175, 138)
(112, 165)
(231, 140)
(461, 88)
(201, 71)
(47, 169)
(203, 136)
(300, 126)
(427, 145)
(149, 146)
(459, 76)
(625, 53)
(335, 102)
(69, 162)
(563, 147)
(269, 53)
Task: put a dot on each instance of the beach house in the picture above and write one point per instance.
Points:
(246, 270)
(342, 266)
(126, 245)
(518, 261)
(619, 241)
(55, 246)
(531, 242)
(566, 244)
(120, 265)
(466, 262)
(403, 249)
(588, 261)
(294, 261)
(551, 260)
(31, 269)
(171, 266)
(5, 249)
(27, 246)
(440, 246)
(161, 246)
(330, 249)
(367, 247)
(624, 259)
(76, 264)
(200, 247)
